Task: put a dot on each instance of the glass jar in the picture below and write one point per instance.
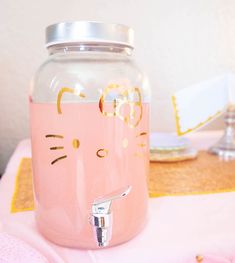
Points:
(89, 115)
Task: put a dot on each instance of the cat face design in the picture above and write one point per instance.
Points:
(116, 101)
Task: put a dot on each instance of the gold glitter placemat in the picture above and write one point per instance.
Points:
(22, 199)
(205, 175)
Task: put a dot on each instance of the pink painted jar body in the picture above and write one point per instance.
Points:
(89, 118)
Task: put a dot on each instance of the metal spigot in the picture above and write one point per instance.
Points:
(101, 216)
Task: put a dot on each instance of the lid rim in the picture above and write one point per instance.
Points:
(89, 32)
(47, 45)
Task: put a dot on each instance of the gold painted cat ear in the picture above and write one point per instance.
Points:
(61, 93)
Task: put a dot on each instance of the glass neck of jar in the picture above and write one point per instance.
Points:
(108, 48)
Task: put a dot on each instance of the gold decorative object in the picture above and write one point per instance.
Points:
(199, 259)
(23, 199)
(202, 176)
(207, 174)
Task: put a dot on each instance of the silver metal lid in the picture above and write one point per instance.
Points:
(89, 32)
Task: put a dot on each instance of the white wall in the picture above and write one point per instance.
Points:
(178, 42)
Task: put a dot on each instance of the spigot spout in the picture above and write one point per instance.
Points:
(101, 216)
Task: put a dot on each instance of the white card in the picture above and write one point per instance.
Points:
(201, 103)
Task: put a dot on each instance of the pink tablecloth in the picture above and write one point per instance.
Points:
(178, 228)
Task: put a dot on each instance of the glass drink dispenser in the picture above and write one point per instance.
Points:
(89, 115)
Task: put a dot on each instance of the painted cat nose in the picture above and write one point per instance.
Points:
(76, 143)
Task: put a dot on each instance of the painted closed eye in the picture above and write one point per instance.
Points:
(75, 144)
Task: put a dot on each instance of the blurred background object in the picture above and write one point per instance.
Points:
(167, 147)
(178, 42)
(225, 147)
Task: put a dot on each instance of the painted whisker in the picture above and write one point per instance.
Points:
(54, 136)
(57, 148)
(59, 158)
(141, 144)
(141, 134)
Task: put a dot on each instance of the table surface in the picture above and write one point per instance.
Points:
(178, 228)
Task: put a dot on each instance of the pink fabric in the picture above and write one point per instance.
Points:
(213, 259)
(179, 228)
(14, 250)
